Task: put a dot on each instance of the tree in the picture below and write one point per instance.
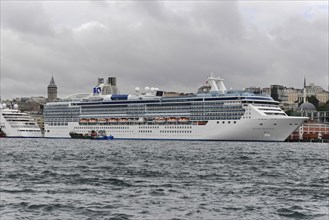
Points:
(312, 99)
(324, 107)
(289, 112)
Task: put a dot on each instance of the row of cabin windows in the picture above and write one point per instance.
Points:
(175, 131)
(83, 127)
(115, 109)
(228, 122)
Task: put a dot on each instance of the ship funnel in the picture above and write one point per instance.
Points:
(110, 87)
(100, 81)
(106, 87)
(217, 84)
(112, 81)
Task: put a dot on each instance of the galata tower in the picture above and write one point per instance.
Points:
(52, 90)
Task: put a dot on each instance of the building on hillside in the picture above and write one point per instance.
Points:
(301, 95)
(253, 89)
(280, 93)
(323, 97)
(317, 91)
(32, 104)
(312, 89)
(266, 91)
(295, 95)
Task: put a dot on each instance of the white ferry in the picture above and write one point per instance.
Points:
(18, 124)
(216, 115)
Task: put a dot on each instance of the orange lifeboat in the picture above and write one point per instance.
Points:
(101, 120)
(123, 120)
(172, 120)
(83, 120)
(183, 120)
(112, 120)
(92, 121)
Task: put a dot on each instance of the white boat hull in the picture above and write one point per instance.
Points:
(272, 129)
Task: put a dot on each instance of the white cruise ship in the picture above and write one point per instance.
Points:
(216, 115)
(18, 124)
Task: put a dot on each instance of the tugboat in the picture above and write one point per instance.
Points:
(93, 135)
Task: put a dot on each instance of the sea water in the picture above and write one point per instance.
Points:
(89, 179)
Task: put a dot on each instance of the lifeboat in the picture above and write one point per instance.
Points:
(112, 120)
(92, 121)
(202, 122)
(172, 120)
(183, 120)
(83, 121)
(123, 120)
(160, 120)
(101, 120)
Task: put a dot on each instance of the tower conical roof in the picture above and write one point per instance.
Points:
(52, 82)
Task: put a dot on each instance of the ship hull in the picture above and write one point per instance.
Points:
(14, 133)
(258, 129)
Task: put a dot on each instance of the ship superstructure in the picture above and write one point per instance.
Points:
(18, 124)
(216, 115)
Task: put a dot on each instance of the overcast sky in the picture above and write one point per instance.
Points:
(171, 45)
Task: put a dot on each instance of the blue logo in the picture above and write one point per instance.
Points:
(97, 90)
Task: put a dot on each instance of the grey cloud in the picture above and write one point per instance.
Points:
(151, 9)
(222, 18)
(149, 44)
(28, 17)
(99, 3)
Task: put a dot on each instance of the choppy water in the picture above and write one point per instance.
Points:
(85, 179)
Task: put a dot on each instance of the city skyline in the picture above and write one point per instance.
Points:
(165, 44)
(264, 90)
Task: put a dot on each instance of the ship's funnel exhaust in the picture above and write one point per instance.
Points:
(112, 81)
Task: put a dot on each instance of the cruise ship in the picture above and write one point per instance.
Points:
(218, 114)
(18, 124)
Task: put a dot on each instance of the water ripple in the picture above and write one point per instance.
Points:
(84, 179)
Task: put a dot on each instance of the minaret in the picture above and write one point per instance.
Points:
(304, 100)
(52, 90)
